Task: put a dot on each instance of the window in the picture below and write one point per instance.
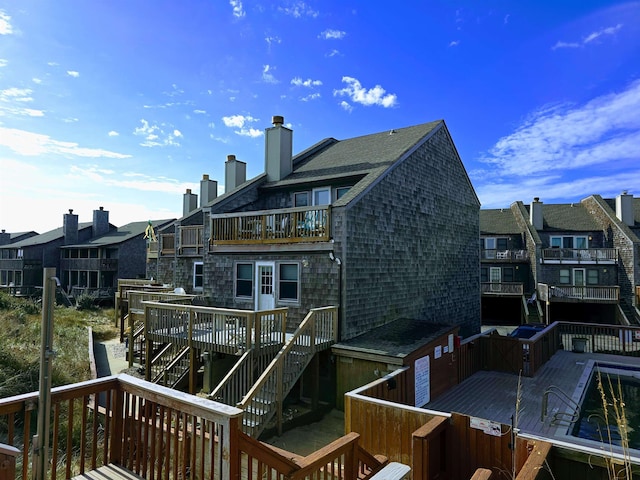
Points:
(490, 243)
(322, 196)
(20, 253)
(502, 243)
(484, 275)
(556, 242)
(565, 276)
(288, 282)
(244, 280)
(340, 191)
(592, 277)
(507, 274)
(301, 199)
(568, 242)
(198, 276)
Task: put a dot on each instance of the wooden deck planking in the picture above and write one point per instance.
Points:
(492, 395)
(111, 471)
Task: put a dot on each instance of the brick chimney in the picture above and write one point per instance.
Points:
(189, 202)
(235, 173)
(208, 190)
(624, 208)
(278, 148)
(70, 228)
(535, 214)
(100, 222)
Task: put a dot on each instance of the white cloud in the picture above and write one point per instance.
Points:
(3, 62)
(200, 112)
(267, 76)
(506, 18)
(346, 106)
(333, 53)
(30, 144)
(36, 80)
(589, 38)
(567, 137)
(299, 9)
(242, 125)
(373, 96)
(330, 34)
(313, 96)
(155, 136)
(454, 43)
(298, 82)
(73, 73)
(272, 40)
(113, 133)
(70, 120)
(16, 95)
(174, 92)
(238, 10)
(5, 24)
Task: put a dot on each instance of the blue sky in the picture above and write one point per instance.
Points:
(126, 104)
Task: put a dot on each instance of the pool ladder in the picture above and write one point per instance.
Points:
(560, 418)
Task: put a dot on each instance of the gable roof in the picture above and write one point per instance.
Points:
(566, 217)
(499, 221)
(120, 235)
(359, 156)
(46, 237)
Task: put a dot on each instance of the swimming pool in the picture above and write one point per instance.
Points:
(591, 425)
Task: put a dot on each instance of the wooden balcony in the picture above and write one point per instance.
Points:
(579, 293)
(580, 255)
(167, 244)
(503, 288)
(124, 427)
(494, 255)
(191, 240)
(291, 225)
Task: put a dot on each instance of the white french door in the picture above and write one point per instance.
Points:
(265, 297)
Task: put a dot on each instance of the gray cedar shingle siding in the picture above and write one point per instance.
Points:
(412, 245)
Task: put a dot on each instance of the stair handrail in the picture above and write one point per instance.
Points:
(184, 351)
(566, 399)
(274, 369)
(220, 393)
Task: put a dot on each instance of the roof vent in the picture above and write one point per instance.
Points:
(392, 131)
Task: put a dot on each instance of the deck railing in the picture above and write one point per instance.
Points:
(582, 292)
(502, 288)
(291, 225)
(494, 254)
(153, 431)
(167, 244)
(579, 255)
(191, 240)
(595, 338)
(210, 329)
(317, 331)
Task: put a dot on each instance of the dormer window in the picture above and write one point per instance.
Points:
(340, 191)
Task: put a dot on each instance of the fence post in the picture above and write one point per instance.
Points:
(8, 456)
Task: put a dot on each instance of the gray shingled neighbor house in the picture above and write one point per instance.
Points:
(385, 226)
(581, 259)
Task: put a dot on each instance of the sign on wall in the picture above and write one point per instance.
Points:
(422, 381)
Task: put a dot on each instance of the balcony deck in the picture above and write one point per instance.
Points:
(512, 289)
(579, 293)
(290, 225)
(588, 256)
(508, 256)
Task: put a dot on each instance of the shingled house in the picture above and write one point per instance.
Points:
(384, 226)
(581, 259)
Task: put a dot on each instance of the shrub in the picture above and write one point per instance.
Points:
(85, 302)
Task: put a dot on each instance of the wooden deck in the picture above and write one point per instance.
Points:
(492, 395)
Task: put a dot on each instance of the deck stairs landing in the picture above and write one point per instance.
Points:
(533, 310)
(263, 400)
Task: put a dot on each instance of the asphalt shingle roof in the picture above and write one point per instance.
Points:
(498, 221)
(568, 217)
(45, 237)
(122, 234)
(398, 338)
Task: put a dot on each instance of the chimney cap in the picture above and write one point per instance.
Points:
(205, 176)
(536, 199)
(231, 158)
(101, 208)
(277, 120)
(3, 230)
(188, 190)
(625, 192)
(71, 211)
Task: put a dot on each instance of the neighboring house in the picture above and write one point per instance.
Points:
(385, 226)
(21, 263)
(583, 259)
(7, 238)
(99, 262)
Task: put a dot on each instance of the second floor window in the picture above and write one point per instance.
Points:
(566, 241)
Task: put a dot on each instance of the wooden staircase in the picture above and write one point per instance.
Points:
(263, 400)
